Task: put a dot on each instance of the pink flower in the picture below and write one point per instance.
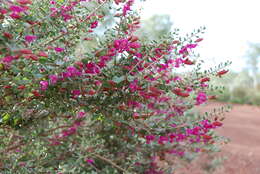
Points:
(16, 9)
(135, 115)
(66, 17)
(127, 6)
(3, 11)
(185, 48)
(135, 45)
(81, 114)
(69, 131)
(121, 45)
(201, 98)
(15, 16)
(149, 138)
(52, 2)
(8, 59)
(76, 92)
(53, 79)
(89, 161)
(203, 85)
(94, 24)
(8, 35)
(133, 86)
(72, 71)
(44, 85)
(92, 68)
(57, 49)
(176, 78)
(190, 46)
(162, 140)
(139, 55)
(24, 2)
(111, 52)
(42, 54)
(178, 62)
(30, 38)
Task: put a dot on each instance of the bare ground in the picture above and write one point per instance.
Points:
(242, 153)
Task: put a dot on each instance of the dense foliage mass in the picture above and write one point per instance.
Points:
(118, 106)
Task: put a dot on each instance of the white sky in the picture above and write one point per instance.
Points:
(231, 25)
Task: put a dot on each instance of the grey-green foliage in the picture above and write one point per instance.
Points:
(155, 27)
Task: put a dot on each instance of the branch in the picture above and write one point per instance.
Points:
(110, 162)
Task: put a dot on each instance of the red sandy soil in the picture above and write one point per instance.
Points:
(242, 153)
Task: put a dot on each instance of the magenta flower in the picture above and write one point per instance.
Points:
(66, 17)
(52, 2)
(201, 98)
(204, 85)
(81, 114)
(190, 46)
(30, 38)
(72, 71)
(101, 64)
(57, 49)
(69, 131)
(135, 45)
(92, 68)
(121, 45)
(178, 62)
(53, 79)
(134, 86)
(15, 16)
(139, 55)
(94, 24)
(16, 9)
(111, 52)
(162, 140)
(185, 48)
(176, 78)
(8, 59)
(44, 85)
(126, 9)
(24, 2)
(149, 138)
(89, 161)
(127, 6)
(76, 92)
(98, 83)
(133, 104)
(3, 11)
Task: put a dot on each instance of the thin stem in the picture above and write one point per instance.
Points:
(110, 162)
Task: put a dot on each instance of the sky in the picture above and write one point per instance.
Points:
(230, 25)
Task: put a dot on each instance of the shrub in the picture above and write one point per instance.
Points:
(114, 108)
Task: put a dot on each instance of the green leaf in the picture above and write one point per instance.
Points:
(118, 79)
(6, 117)
(43, 60)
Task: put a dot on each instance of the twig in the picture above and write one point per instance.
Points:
(110, 162)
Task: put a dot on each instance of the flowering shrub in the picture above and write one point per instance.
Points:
(114, 108)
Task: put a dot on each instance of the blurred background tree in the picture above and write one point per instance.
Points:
(253, 55)
(155, 27)
(243, 86)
